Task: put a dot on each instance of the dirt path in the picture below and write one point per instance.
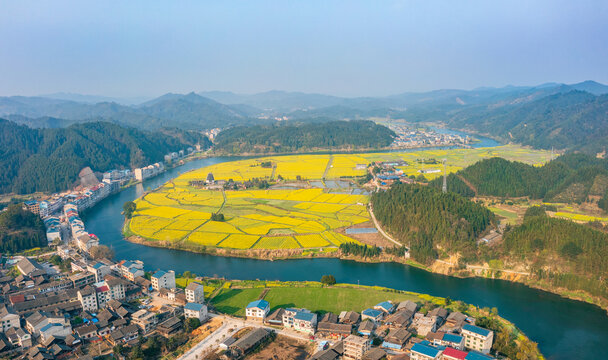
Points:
(274, 170)
(468, 183)
(331, 159)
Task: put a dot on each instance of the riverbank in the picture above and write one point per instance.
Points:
(442, 267)
(231, 297)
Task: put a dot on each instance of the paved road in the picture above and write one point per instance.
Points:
(212, 342)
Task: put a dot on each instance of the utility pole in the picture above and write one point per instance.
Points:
(444, 188)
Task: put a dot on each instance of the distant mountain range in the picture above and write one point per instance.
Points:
(188, 111)
(548, 115)
(288, 102)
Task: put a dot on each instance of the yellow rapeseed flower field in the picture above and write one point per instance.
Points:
(287, 218)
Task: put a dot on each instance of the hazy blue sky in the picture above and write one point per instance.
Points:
(147, 48)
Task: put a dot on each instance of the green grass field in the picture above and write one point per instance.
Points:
(510, 216)
(315, 298)
(234, 301)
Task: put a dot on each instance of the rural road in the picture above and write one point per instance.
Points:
(387, 236)
(212, 342)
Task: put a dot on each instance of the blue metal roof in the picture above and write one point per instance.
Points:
(475, 355)
(425, 350)
(48, 326)
(194, 306)
(385, 305)
(262, 304)
(158, 274)
(371, 312)
(306, 316)
(476, 330)
(453, 338)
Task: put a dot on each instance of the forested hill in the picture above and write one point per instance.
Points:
(562, 253)
(304, 136)
(20, 230)
(569, 178)
(50, 159)
(427, 219)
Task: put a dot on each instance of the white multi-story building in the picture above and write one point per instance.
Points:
(88, 298)
(163, 279)
(100, 270)
(300, 320)
(257, 310)
(196, 310)
(109, 289)
(477, 338)
(195, 293)
(8, 319)
(355, 347)
(131, 269)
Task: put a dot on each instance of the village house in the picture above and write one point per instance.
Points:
(446, 339)
(386, 306)
(305, 322)
(248, 342)
(36, 321)
(275, 318)
(300, 320)
(195, 310)
(19, 337)
(163, 280)
(257, 310)
(355, 347)
(123, 335)
(87, 332)
(396, 339)
(145, 319)
(366, 328)
(131, 269)
(349, 317)
(100, 270)
(195, 293)
(372, 314)
(477, 338)
(453, 354)
(423, 351)
(88, 298)
(8, 319)
(169, 326)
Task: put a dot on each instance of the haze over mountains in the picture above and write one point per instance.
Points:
(547, 115)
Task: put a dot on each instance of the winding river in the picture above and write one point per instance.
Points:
(564, 329)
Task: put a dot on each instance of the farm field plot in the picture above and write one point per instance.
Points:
(308, 217)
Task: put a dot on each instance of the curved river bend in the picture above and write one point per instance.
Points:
(564, 329)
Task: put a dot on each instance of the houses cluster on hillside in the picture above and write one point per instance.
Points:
(400, 331)
(91, 191)
(49, 314)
